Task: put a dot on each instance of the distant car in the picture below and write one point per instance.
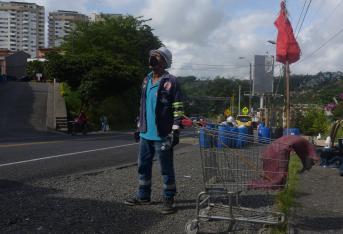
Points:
(244, 120)
(24, 79)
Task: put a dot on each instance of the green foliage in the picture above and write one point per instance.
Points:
(338, 111)
(285, 199)
(104, 59)
(313, 122)
(35, 67)
(315, 89)
(196, 91)
(121, 111)
(72, 99)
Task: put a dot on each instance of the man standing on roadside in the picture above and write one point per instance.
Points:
(161, 111)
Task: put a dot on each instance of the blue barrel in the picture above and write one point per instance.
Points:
(291, 131)
(264, 135)
(242, 137)
(223, 138)
(233, 135)
(204, 139)
(211, 126)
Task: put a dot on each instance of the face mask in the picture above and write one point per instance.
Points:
(153, 61)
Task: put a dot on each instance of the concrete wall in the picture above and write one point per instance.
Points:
(56, 108)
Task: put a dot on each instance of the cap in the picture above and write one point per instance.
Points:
(165, 53)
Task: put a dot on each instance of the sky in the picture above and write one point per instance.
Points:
(207, 37)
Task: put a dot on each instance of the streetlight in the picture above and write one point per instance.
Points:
(250, 79)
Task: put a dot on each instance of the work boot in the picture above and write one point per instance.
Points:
(168, 206)
(134, 201)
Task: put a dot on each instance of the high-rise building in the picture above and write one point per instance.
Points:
(61, 24)
(21, 27)
(95, 17)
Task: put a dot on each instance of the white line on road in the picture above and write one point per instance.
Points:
(65, 155)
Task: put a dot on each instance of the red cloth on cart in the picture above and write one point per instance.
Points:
(275, 160)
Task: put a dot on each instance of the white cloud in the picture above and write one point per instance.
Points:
(183, 21)
(218, 32)
(319, 51)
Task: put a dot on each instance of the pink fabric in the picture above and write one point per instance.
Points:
(275, 159)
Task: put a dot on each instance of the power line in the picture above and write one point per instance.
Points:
(222, 65)
(302, 10)
(308, 6)
(324, 44)
(328, 16)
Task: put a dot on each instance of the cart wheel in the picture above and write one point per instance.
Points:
(192, 227)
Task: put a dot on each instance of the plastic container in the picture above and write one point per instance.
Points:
(264, 135)
(204, 139)
(223, 139)
(291, 131)
(233, 137)
(242, 137)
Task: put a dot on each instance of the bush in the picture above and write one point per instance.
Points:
(313, 122)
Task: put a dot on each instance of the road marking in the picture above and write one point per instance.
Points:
(28, 144)
(65, 155)
(59, 141)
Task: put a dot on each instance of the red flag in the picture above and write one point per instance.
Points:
(287, 48)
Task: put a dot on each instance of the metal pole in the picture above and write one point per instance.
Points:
(251, 84)
(288, 104)
(239, 100)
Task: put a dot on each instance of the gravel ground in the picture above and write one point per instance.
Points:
(320, 206)
(93, 202)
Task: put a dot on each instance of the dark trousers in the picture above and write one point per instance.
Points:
(164, 153)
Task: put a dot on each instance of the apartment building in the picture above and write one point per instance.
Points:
(61, 24)
(21, 27)
(96, 17)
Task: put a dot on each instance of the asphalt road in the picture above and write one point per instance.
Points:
(57, 155)
(29, 152)
(62, 155)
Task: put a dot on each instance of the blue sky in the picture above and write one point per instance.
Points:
(217, 32)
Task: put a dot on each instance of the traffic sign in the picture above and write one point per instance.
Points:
(245, 111)
(227, 112)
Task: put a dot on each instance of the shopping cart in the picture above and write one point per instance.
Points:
(241, 178)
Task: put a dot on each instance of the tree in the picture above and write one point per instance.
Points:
(104, 59)
(35, 67)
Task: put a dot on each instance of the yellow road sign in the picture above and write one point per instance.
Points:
(227, 112)
(245, 111)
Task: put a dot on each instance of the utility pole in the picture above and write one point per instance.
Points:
(251, 86)
(239, 100)
(287, 104)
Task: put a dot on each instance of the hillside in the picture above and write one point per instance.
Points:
(316, 89)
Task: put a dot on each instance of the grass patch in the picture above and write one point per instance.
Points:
(285, 200)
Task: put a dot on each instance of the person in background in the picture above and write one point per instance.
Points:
(231, 121)
(81, 122)
(161, 112)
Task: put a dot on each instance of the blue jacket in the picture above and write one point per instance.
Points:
(169, 106)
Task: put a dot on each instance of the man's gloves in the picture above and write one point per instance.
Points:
(175, 137)
(136, 136)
